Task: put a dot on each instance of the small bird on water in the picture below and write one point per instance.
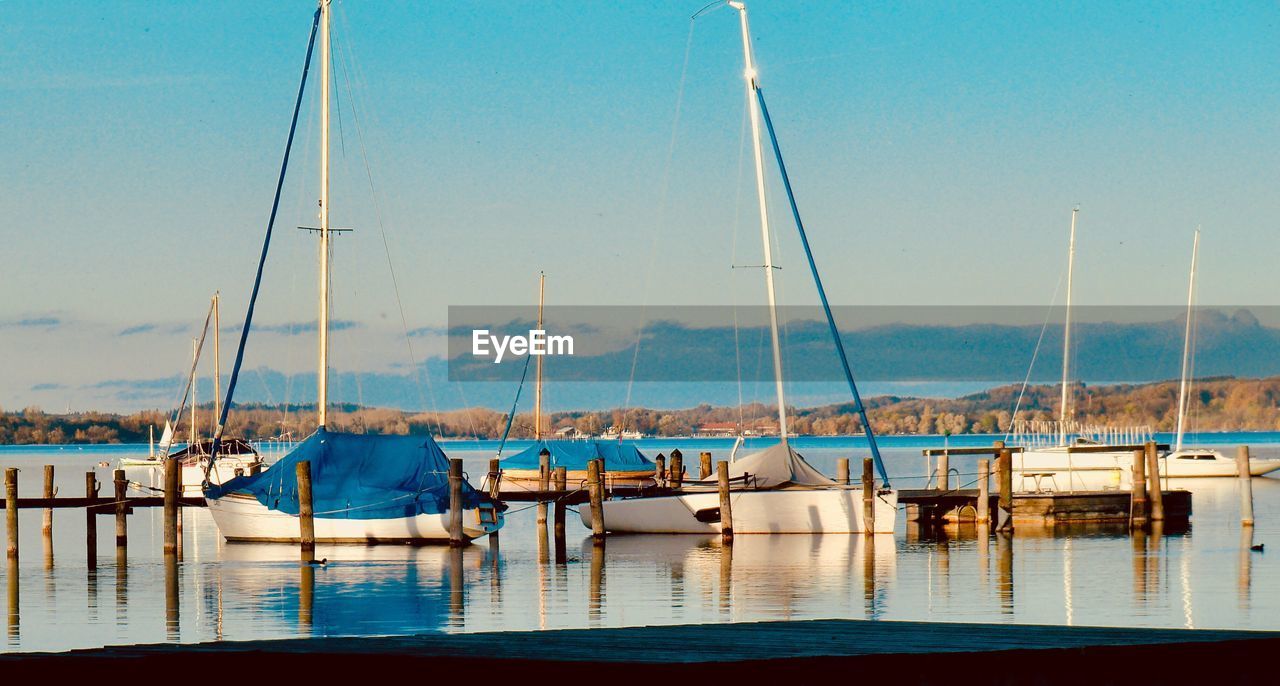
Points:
(1258, 548)
(318, 563)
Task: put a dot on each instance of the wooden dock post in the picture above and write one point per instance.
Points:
(91, 519)
(122, 509)
(46, 527)
(944, 472)
(704, 464)
(726, 502)
(1138, 501)
(495, 488)
(1004, 465)
(595, 489)
(1246, 485)
(677, 468)
(868, 497)
(455, 503)
(1154, 486)
(306, 512)
(172, 471)
(544, 484)
(561, 486)
(842, 471)
(11, 510)
(495, 477)
(660, 469)
(983, 509)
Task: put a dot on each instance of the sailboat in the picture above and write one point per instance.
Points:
(773, 491)
(365, 488)
(626, 466)
(238, 456)
(1083, 462)
(1074, 460)
(1200, 462)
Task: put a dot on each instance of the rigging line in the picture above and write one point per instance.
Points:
(1034, 354)
(511, 417)
(418, 375)
(662, 215)
(822, 294)
(262, 259)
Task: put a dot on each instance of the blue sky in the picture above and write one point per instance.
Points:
(936, 149)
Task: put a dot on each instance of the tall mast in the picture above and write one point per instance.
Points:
(537, 386)
(217, 362)
(1186, 342)
(195, 357)
(322, 378)
(1065, 412)
(750, 75)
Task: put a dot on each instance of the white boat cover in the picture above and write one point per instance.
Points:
(777, 466)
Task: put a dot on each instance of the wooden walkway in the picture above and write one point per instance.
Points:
(910, 652)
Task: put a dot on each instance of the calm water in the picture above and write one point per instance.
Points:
(1205, 577)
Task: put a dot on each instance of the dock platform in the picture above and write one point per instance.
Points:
(911, 652)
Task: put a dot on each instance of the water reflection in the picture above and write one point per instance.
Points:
(1244, 577)
(172, 620)
(14, 600)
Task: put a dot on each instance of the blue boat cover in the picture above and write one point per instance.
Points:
(357, 476)
(574, 455)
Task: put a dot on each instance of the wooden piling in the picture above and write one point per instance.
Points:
(660, 469)
(560, 483)
(704, 464)
(11, 510)
(944, 472)
(255, 468)
(726, 502)
(1246, 485)
(46, 527)
(495, 477)
(91, 519)
(983, 509)
(677, 468)
(172, 470)
(868, 497)
(544, 484)
(1004, 464)
(495, 487)
(1138, 501)
(1155, 498)
(122, 509)
(842, 471)
(306, 512)
(595, 489)
(456, 538)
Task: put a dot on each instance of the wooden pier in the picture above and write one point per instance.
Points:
(906, 652)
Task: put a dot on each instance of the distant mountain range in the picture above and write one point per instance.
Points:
(681, 365)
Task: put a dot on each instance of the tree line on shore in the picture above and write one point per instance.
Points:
(1219, 404)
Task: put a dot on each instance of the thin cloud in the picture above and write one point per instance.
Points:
(293, 328)
(44, 322)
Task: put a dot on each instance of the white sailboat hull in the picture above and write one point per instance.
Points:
(241, 517)
(1058, 470)
(786, 511)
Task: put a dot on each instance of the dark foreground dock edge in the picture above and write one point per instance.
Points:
(835, 650)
